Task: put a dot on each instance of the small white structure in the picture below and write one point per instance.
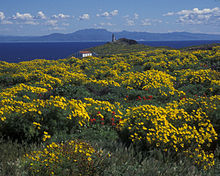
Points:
(113, 38)
(81, 54)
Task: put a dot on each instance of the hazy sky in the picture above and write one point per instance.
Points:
(39, 17)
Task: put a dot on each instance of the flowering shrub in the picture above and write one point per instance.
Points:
(70, 158)
(104, 112)
(172, 128)
(208, 105)
(171, 60)
(151, 79)
(29, 119)
(105, 83)
(197, 76)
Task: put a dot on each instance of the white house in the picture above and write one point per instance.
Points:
(81, 54)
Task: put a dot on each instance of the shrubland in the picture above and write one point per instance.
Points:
(153, 112)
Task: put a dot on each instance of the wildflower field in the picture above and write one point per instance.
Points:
(153, 112)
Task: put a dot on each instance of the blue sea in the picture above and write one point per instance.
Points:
(17, 52)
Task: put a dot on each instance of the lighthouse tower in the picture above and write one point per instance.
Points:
(113, 38)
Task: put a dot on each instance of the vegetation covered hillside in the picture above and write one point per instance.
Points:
(201, 47)
(151, 112)
(120, 47)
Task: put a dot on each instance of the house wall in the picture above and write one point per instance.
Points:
(79, 55)
(86, 54)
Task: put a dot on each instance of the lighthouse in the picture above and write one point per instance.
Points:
(113, 38)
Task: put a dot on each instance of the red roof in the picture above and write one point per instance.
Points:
(85, 52)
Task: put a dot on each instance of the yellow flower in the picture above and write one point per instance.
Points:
(89, 159)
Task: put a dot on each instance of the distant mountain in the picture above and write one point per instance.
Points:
(94, 35)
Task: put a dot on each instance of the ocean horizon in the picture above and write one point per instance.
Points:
(15, 52)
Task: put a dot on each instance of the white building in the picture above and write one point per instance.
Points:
(81, 54)
(113, 38)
